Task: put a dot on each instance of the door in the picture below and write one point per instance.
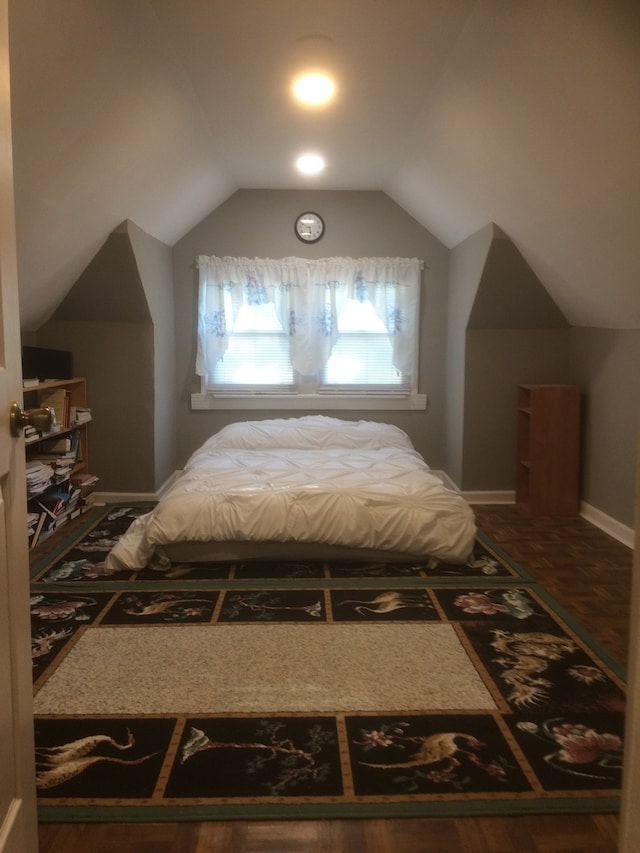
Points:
(18, 826)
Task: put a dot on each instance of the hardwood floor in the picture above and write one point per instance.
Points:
(589, 573)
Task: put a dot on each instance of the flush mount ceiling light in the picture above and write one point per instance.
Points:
(310, 164)
(314, 89)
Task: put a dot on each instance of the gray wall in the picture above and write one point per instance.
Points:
(117, 361)
(497, 361)
(504, 330)
(515, 334)
(154, 261)
(466, 267)
(118, 321)
(606, 364)
(259, 223)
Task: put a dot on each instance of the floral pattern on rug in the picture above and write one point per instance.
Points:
(478, 602)
(572, 751)
(274, 758)
(431, 754)
(84, 560)
(55, 618)
(262, 757)
(483, 563)
(273, 606)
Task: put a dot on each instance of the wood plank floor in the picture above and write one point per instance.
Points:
(589, 573)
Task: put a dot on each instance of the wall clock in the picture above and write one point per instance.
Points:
(309, 227)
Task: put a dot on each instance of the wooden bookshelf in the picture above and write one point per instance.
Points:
(548, 449)
(66, 396)
(77, 398)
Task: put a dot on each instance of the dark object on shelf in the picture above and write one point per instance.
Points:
(42, 363)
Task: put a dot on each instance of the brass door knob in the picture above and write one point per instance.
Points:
(40, 419)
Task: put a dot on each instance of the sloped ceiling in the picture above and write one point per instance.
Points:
(526, 114)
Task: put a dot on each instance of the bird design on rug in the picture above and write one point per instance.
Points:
(445, 747)
(387, 602)
(58, 764)
(164, 604)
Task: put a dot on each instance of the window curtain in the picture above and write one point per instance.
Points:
(308, 296)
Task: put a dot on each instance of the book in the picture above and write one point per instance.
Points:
(39, 476)
(38, 530)
(79, 414)
(53, 503)
(58, 399)
(82, 480)
(56, 445)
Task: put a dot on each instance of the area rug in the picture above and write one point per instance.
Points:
(313, 689)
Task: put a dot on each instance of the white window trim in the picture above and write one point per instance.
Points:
(206, 400)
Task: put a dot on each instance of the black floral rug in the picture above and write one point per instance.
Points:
(548, 738)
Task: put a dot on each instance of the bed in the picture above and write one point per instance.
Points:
(313, 487)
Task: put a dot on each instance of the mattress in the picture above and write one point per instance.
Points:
(314, 480)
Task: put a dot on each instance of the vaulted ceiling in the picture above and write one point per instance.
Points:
(525, 113)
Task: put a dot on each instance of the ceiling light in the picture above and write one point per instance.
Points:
(310, 164)
(314, 88)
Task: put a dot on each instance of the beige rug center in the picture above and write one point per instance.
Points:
(195, 669)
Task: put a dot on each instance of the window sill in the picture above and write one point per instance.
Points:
(309, 402)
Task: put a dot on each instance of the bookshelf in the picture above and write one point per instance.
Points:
(548, 448)
(58, 481)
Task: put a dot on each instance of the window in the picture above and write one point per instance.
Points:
(295, 328)
(257, 355)
(362, 357)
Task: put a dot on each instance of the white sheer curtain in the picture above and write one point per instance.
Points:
(308, 297)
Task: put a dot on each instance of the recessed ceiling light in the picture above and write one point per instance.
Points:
(310, 164)
(314, 88)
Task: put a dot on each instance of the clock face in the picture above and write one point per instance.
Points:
(309, 227)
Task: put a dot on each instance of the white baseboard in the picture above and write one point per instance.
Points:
(599, 519)
(134, 497)
(609, 525)
(122, 497)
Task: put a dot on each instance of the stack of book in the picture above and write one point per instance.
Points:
(32, 524)
(61, 454)
(85, 484)
(54, 492)
(39, 477)
(52, 509)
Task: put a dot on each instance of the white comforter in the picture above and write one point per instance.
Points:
(311, 479)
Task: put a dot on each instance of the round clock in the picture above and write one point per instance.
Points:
(309, 227)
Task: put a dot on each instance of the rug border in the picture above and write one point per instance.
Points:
(326, 811)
